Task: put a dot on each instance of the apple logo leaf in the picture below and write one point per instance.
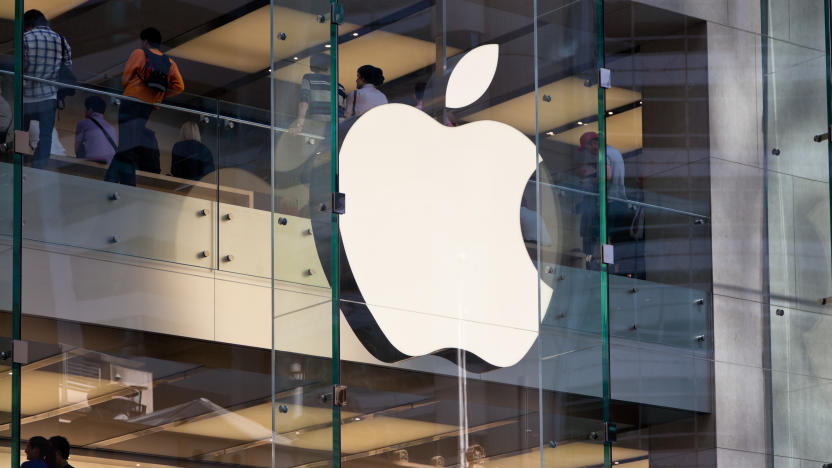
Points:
(472, 76)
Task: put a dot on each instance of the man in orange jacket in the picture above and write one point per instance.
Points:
(149, 77)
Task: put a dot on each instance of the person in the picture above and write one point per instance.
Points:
(149, 76)
(367, 95)
(619, 216)
(419, 94)
(315, 97)
(190, 159)
(39, 454)
(6, 119)
(95, 138)
(44, 52)
(419, 97)
(34, 139)
(61, 447)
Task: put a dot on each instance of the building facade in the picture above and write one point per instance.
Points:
(445, 233)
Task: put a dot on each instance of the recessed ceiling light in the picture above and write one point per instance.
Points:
(358, 419)
(327, 46)
(294, 58)
(610, 112)
(354, 34)
(580, 123)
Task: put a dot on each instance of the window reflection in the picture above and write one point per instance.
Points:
(156, 313)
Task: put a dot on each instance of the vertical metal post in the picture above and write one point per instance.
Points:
(272, 207)
(602, 202)
(335, 246)
(828, 47)
(17, 234)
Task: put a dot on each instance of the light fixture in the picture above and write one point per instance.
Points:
(295, 59)
(580, 123)
(327, 46)
(297, 432)
(610, 112)
(550, 133)
(354, 34)
(641, 102)
(358, 419)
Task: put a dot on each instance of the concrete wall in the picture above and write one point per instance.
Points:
(755, 347)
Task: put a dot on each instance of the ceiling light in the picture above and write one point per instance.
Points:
(641, 102)
(327, 46)
(610, 112)
(354, 34)
(550, 133)
(295, 58)
(358, 419)
(297, 432)
(580, 123)
(138, 464)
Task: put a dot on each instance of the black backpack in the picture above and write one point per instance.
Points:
(156, 69)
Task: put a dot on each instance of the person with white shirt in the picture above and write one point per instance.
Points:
(366, 96)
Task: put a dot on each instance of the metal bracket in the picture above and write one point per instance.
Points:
(610, 433)
(339, 395)
(604, 78)
(336, 13)
(339, 203)
(608, 254)
(21, 142)
(20, 352)
(823, 136)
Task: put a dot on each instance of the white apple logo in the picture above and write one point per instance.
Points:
(432, 232)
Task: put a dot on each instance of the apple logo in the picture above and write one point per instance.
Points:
(433, 259)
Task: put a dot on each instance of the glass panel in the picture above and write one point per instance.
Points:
(145, 345)
(658, 222)
(796, 84)
(302, 316)
(7, 270)
(448, 356)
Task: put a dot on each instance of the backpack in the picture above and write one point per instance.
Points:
(155, 72)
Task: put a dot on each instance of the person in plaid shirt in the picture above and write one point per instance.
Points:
(44, 51)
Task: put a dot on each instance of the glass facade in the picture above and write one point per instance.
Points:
(365, 233)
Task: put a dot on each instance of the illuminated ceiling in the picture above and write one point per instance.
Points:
(571, 101)
(243, 45)
(46, 391)
(50, 8)
(379, 48)
(569, 456)
(623, 131)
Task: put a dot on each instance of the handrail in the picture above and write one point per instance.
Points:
(160, 105)
(309, 135)
(566, 188)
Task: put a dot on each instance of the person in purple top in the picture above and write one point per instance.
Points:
(95, 139)
(39, 454)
